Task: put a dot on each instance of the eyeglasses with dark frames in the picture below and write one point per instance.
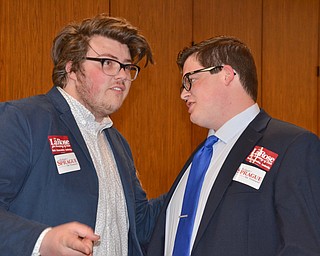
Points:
(112, 67)
(187, 81)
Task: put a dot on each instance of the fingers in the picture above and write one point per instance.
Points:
(86, 232)
(81, 245)
(69, 239)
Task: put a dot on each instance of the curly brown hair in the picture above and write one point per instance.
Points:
(72, 43)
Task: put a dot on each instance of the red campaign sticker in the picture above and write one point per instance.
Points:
(262, 158)
(59, 144)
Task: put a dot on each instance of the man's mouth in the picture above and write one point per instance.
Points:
(189, 105)
(118, 88)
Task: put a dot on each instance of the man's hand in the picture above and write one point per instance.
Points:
(72, 239)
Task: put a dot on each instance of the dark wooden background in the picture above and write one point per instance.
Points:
(283, 35)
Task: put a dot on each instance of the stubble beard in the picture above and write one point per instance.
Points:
(90, 102)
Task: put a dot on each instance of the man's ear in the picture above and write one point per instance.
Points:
(71, 74)
(229, 74)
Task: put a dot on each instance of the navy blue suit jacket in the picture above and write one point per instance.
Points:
(34, 196)
(282, 217)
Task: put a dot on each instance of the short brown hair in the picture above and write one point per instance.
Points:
(224, 50)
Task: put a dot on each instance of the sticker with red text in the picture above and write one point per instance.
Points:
(67, 163)
(59, 144)
(262, 158)
(249, 175)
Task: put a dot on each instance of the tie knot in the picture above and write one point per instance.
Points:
(210, 141)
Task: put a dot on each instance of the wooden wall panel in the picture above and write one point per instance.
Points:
(153, 118)
(290, 44)
(283, 36)
(26, 33)
(242, 19)
(318, 70)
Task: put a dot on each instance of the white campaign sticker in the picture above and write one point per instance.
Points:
(249, 175)
(67, 163)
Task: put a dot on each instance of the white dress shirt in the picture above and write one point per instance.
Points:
(112, 222)
(228, 134)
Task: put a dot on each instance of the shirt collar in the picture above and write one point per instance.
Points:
(84, 118)
(237, 124)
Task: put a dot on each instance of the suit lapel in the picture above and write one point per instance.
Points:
(125, 167)
(239, 152)
(121, 157)
(66, 116)
(123, 161)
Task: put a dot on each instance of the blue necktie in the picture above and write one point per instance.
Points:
(200, 163)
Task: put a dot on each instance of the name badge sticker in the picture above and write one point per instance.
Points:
(65, 158)
(249, 175)
(67, 163)
(59, 144)
(262, 158)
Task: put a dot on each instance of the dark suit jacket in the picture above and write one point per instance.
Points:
(280, 218)
(34, 196)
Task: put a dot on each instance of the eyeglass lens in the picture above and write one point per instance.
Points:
(186, 83)
(112, 68)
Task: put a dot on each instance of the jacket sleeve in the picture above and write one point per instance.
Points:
(147, 213)
(18, 235)
(297, 197)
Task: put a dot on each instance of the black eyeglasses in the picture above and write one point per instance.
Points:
(187, 81)
(112, 67)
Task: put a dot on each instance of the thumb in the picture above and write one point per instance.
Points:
(87, 232)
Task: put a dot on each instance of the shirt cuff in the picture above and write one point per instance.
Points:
(36, 249)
